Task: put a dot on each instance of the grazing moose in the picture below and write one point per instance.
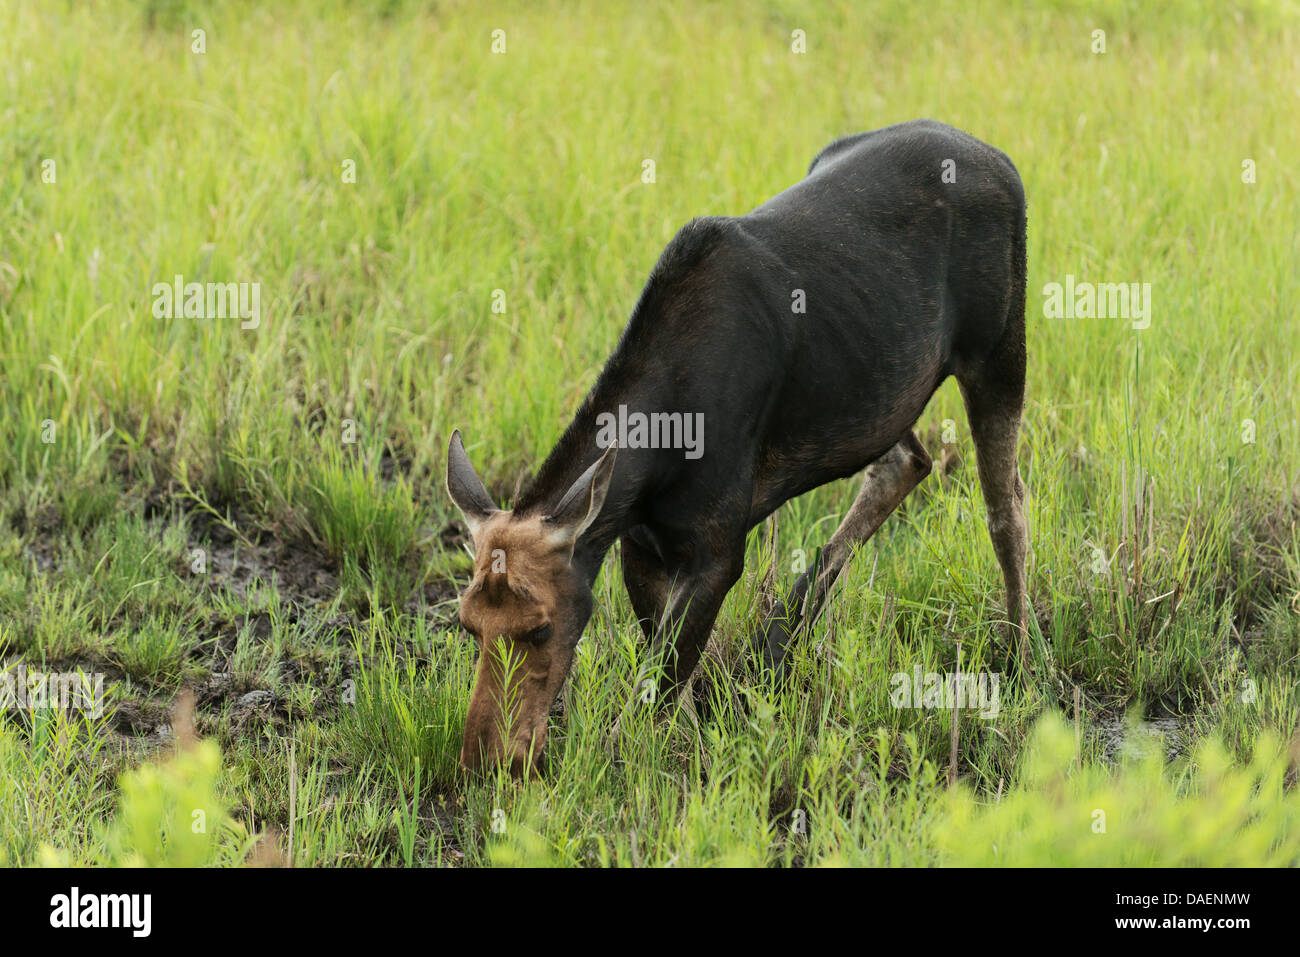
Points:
(809, 334)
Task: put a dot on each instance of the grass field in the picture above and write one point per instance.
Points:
(447, 236)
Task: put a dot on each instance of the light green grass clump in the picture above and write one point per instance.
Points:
(1213, 814)
(54, 788)
(170, 813)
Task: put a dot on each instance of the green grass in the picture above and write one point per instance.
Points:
(1220, 817)
(187, 502)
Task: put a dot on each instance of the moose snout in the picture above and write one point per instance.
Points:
(508, 711)
(484, 750)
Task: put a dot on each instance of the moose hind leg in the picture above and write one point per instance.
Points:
(887, 481)
(993, 405)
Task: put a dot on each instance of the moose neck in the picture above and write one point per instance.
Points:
(625, 383)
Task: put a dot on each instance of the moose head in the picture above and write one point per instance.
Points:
(526, 606)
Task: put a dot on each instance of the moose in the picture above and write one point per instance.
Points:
(807, 336)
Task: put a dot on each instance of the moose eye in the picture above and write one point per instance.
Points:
(537, 635)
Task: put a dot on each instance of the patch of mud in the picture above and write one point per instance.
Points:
(222, 686)
(257, 709)
(301, 574)
(132, 716)
(1122, 740)
(234, 704)
(138, 728)
(442, 819)
(42, 554)
(45, 528)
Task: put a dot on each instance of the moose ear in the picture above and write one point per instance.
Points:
(466, 488)
(582, 502)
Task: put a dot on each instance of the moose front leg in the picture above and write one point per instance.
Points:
(647, 583)
(680, 634)
(683, 622)
(688, 620)
(887, 482)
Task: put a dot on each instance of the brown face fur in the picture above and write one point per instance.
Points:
(522, 606)
(527, 607)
